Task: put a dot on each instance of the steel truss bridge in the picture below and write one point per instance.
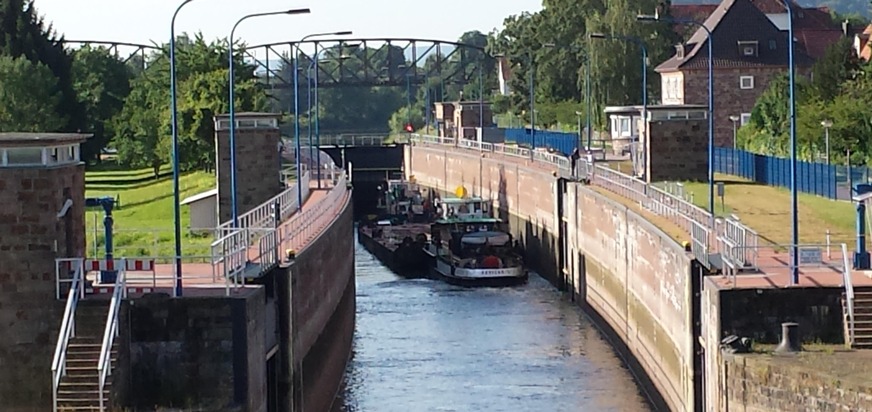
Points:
(344, 62)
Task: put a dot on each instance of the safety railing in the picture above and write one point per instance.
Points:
(104, 364)
(741, 241)
(263, 215)
(230, 254)
(699, 237)
(68, 323)
(267, 249)
(352, 140)
(776, 261)
(676, 210)
(849, 296)
(551, 158)
(301, 227)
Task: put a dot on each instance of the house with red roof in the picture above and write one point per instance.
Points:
(814, 28)
(749, 49)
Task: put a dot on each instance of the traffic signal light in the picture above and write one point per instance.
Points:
(410, 128)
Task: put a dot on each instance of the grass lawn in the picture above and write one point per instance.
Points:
(766, 209)
(144, 223)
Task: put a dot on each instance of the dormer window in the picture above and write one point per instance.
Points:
(748, 49)
(679, 51)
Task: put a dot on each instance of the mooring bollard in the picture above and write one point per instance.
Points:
(790, 341)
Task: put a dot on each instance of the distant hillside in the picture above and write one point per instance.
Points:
(860, 7)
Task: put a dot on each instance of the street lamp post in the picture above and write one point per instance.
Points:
(177, 214)
(827, 124)
(233, 204)
(794, 209)
(578, 115)
(297, 148)
(641, 45)
(711, 102)
(735, 119)
(318, 109)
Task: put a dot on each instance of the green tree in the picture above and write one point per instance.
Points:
(29, 97)
(24, 34)
(838, 65)
(402, 117)
(101, 82)
(144, 124)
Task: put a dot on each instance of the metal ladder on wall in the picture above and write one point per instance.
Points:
(86, 347)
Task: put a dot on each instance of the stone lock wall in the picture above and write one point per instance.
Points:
(320, 289)
(257, 169)
(637, 279)
(194, 353)
(31, 237)
(634, 277)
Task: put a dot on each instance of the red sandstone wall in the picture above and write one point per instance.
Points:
(323, 310)
(638, 279)
(30, 232)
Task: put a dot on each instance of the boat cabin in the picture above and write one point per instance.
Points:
(466, 208)
(403, 199)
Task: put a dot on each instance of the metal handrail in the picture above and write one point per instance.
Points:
(68, 328)
(849, 294)
(301, 225)
(677, 210)
(104, 365)
(261, 216)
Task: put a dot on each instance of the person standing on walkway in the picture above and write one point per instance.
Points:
(573, 161)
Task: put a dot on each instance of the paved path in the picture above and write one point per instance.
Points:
(201, 278)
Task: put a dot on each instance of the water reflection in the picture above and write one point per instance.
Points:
(423, 345)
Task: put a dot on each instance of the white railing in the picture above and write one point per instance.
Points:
(68, 324)
(305, 225)
(353, 140)
(675, 209)
(230, 254)
(812, 258)
(104, 365)
(849, 295)
(263, 215)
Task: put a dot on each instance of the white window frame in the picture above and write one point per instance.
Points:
(742, 84)
(744, 119)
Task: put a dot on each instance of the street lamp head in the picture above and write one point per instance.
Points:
(827, 123)
(298, 11)
(597, 36)
(648, 17)
(734, 118)
(343, 33)
(578, 113)
(549, 45)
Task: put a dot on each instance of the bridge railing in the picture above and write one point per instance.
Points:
(353, 140)
(303, 226)
(673, 208)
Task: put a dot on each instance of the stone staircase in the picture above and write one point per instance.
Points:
(79, 388)
(862, 317)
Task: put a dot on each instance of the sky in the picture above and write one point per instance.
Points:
(147, 21)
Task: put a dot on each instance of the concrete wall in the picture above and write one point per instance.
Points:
(257, 169)
(206, 353)
(765, 383)
(638, 280)
(319, 325)
(634, 277)
(31, 237)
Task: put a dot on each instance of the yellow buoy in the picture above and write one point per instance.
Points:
(460, 192)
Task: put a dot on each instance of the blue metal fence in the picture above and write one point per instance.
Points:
(561, 142)
(830, 181)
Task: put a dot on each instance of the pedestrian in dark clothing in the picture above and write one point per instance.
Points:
(573, 160)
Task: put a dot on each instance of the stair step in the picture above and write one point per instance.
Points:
(87, 395)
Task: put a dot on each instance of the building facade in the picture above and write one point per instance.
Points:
(749, 50)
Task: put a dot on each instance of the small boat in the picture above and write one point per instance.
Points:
(470, 248)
